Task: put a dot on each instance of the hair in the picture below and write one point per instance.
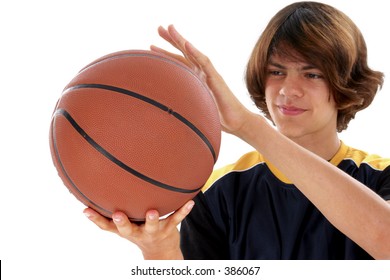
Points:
(326, 38)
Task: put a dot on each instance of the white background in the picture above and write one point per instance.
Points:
(43, 233)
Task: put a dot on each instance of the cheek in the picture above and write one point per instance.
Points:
(267, 96)
(270, 93)
(326, 102)
(269, 99)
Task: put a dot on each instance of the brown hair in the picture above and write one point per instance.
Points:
(328, 39)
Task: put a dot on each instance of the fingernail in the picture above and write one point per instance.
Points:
(88, 215)
(117, 219)
(190, 205)
(152, 216)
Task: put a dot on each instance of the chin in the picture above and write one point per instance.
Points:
(292, 132)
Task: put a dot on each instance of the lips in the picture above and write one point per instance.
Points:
(291, 110)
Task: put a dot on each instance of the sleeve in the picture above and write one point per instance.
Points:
(200, 238)
(384, 184)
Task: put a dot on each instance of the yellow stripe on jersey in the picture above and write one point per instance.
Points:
(252, 159)
(359, 157)
(246, 162)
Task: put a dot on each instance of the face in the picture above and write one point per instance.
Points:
(299, 100)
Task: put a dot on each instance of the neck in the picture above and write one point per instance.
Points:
(325, 147)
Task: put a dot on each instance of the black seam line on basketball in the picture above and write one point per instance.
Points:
(154, 103)
(108, 155)
(54, 142)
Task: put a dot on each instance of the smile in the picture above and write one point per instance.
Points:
(291, 110)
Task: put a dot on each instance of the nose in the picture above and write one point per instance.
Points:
(291, 87)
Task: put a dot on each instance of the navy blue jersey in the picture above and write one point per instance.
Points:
(249, 210)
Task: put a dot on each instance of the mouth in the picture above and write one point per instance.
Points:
(290, 110)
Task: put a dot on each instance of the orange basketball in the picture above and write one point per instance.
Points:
(135, 130)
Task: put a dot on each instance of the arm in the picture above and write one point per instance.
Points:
(341, 198)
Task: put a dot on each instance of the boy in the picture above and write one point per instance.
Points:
(303, 194)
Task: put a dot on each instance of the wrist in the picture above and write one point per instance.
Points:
(252, 129)
(166, 255)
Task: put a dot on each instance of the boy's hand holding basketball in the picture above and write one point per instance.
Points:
(160, 239)
(157, 239)
(232, 112)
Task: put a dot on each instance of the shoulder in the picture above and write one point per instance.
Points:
(362, 158)
(245, 163)
(370, 169)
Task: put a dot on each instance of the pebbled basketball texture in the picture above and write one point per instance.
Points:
(135, 130)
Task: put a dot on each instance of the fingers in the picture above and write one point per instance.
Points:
(176, 40)
(173, 37)
(165, 35)
(177, 217)
(123, 226)
(153, 225)
(189, 51)
(152, 222)
(157, 238)
(102, 222)
(175, 56)
(120, 223)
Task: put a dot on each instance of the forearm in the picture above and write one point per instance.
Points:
(349, 205)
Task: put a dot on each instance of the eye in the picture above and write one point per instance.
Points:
(275, 73)
(314, 76)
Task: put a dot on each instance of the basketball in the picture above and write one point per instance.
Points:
(135, 130)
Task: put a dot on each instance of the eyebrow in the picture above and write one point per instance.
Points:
(278, 65)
